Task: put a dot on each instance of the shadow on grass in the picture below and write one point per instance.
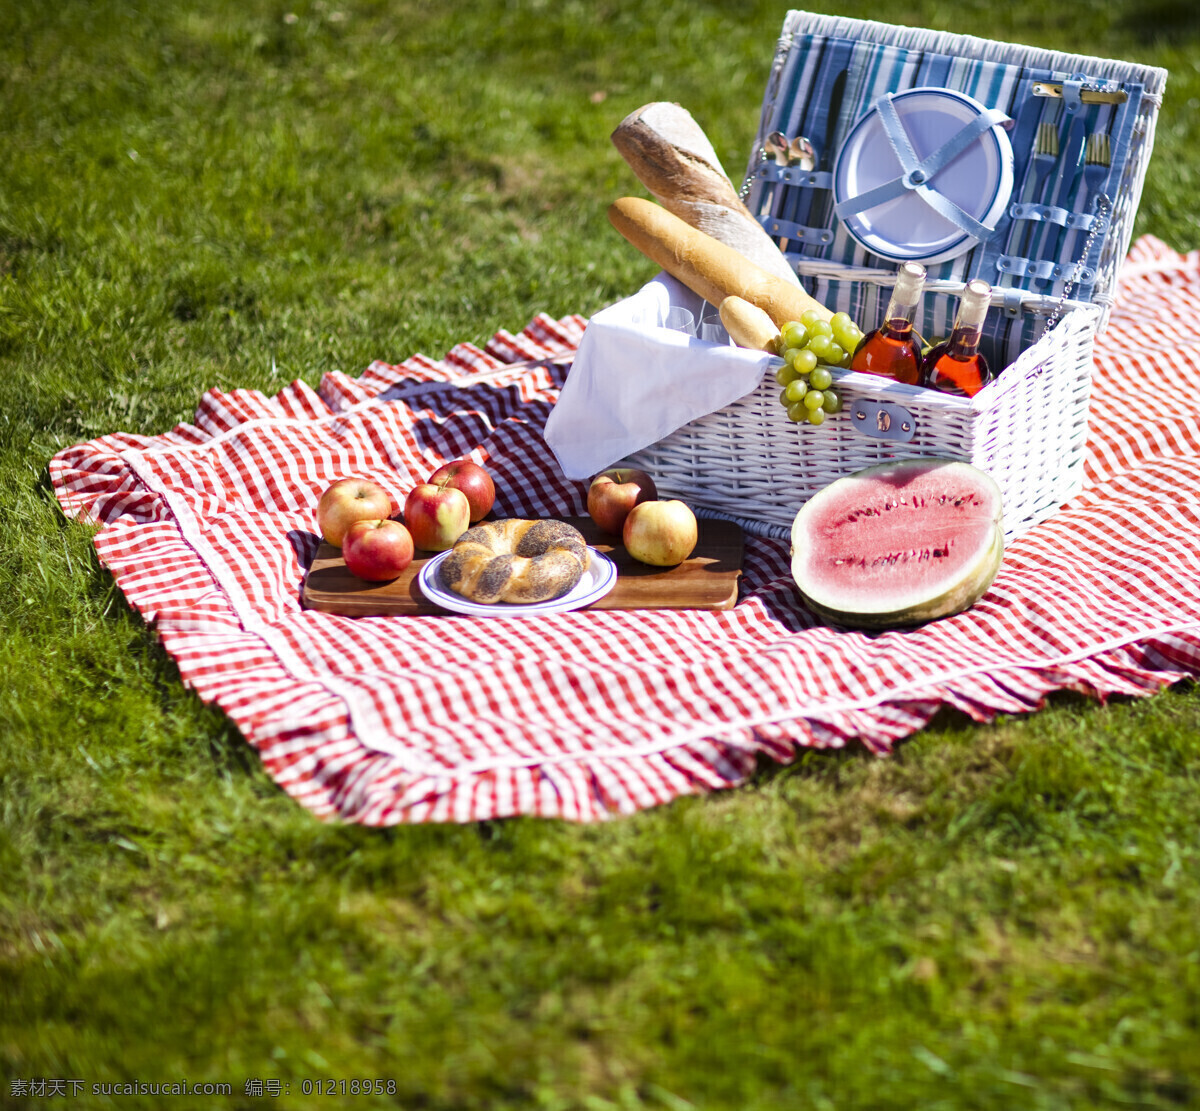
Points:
(948, 728)
(828, 763)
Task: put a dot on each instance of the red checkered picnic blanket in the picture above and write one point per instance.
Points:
(208, 530)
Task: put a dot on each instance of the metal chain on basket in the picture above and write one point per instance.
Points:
(1101, 215)
(748, 184)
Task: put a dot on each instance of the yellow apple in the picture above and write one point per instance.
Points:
(661, 533)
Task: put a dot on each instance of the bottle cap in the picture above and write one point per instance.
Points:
(910, 280)
(976, 300)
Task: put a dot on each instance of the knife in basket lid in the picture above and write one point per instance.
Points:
(1064, 185)
(823, 104)
(793, 199)
(836, 96)
(1030, 132)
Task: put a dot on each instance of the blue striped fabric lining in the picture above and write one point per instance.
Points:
(871, 69)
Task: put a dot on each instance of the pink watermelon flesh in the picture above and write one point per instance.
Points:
(899, 543)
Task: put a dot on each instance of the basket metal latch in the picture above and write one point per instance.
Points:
(882, 420)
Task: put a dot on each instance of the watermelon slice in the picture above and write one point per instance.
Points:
(899, 543)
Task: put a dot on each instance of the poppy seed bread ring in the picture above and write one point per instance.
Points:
(515, 561)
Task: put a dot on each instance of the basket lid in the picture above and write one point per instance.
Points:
(1046, 232)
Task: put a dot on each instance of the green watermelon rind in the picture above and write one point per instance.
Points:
(960, 594)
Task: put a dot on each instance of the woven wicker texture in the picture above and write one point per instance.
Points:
(1028, 431)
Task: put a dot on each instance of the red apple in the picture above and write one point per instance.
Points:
(436, 516)
(472, 480)
(613, 493)
(661, 533)
(349, 500)
(377, 550)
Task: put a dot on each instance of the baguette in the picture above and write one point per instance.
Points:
(749, 325)
(705, 265)
(673, 158)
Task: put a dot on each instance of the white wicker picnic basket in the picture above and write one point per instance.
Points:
(1028, 427)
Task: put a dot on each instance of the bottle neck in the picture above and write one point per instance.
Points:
(897, 327)
(964, 341)
(905, 297)
(968, 322)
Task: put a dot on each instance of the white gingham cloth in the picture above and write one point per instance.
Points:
(208, 530)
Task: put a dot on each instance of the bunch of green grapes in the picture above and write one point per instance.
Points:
(809, 347)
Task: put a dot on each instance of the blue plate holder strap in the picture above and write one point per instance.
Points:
(1013, 302)
(791, 231)
(797, 177)
(918, 173)
(1050, 269)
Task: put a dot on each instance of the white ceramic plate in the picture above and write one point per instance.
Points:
(979, 180)
(599, 578)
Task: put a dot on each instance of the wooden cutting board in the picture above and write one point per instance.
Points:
(708, 580)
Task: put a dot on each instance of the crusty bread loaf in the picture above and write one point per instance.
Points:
(516, 561)
(673, 158)
(706, 266)
(748, 325)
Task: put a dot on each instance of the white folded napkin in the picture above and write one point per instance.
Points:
(634, 381)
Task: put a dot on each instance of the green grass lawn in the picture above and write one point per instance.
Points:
(241, 194)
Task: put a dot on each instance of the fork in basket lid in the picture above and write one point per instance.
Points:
(1045, 154)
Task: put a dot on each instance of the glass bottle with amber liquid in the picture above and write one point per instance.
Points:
(893, 350)
(956, 365)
